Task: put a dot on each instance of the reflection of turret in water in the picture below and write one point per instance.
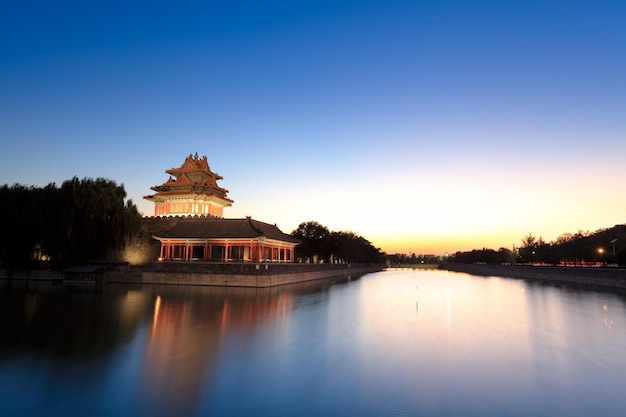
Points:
(190, 329)
(181, 348)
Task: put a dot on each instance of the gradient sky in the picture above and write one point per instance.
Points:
(424, 126)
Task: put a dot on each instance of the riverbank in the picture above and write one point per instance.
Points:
(414, 266)
(597, 277)
(257, 275)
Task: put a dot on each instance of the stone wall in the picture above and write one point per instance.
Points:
(599, 277)
(238, 274)
(34, 275)
(207, 273)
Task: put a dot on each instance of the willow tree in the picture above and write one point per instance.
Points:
(93, 221)
(20, 225)
(81, 221)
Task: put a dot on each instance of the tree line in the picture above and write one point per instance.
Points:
(319, 244)
(90, 219)
(413, 259)
(80, 221)
(604, 246)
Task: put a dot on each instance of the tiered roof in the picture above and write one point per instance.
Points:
(193, 177)
(210, 228)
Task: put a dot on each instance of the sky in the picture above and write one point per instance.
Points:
(424, 126)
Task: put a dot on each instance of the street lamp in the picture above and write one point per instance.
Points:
(613, 243)
(600, 253)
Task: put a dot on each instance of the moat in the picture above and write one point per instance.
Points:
(402, 342)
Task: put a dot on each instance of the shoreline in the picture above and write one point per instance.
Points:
(256, 275)
(587, 276)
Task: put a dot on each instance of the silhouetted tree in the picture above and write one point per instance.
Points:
(484, 255)
(317, 243)
(583, 246)
(528, 250)
(82, 220)
(20, 225)
(314, 241)
(350, 247)
(620, 258)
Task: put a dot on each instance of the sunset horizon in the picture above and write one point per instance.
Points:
(427, 128)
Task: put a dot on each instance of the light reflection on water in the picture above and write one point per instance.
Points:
(404, 342)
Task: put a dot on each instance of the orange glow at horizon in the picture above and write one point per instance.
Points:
(439, 245)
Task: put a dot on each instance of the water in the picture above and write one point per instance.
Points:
(395, 343)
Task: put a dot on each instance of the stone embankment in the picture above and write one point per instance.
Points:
(204, 273)
(34, 275)
(597, 277)
(239, 274)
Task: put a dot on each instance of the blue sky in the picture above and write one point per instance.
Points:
(425, 126)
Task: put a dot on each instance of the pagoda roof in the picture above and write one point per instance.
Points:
(193, 177)
(219, 228)
(183, 179)
(190, 192)
(194, 164)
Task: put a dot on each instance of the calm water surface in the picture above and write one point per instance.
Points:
(395, 343)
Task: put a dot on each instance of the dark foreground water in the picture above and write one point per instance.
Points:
(395, 343)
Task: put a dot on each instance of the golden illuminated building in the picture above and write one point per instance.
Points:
(191, 189)
(196, 229)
